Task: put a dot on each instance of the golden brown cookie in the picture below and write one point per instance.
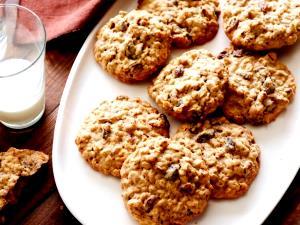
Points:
(262, 24)
(112, 131)
(16, 163)
(7, 182)
(191, 22)
(163, 182)
(260, 87)
(230, 152)
(191, 86)
(22, 162)
(132, 46)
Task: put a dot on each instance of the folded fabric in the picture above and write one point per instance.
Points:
(61, 17)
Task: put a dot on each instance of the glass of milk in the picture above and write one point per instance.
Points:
(22, 75)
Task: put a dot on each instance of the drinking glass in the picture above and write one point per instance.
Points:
(22, 75)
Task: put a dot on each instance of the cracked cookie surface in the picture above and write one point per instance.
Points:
(14, 164)
(112, 131)
(260, 87)
(163, 182)
(191, 22)
(132, 46)
(230, 152)
(191, 86)
(262, 24)
(22, 162)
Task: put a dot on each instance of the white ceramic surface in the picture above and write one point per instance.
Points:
(96, 199)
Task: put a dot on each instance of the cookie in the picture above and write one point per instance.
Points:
(191, 22)
(132, 46)
(22, 162)
(230, 152)
(16, 163)
(7, 183)
(190, 86)
(260, 86)
(163, 182)
(112, 131)
(262, 24)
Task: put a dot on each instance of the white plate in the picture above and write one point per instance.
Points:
(96, 199)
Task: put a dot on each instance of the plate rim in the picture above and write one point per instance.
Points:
(62, 107)
(61, 114)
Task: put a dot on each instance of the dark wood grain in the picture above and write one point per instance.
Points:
(40, 202)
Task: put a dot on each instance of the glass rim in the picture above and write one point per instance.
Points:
(44, 37)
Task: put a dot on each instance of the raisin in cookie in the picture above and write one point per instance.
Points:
(163, 182)
(190, 21)
(262, 24)
(190, 86)
(132, 46)
(112, 131)
(260, 86)
(230, 152)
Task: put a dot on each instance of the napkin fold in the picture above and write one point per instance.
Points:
(62, 16)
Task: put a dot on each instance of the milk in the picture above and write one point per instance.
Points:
(22, 99)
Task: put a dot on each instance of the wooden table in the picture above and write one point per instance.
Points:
(40, 202)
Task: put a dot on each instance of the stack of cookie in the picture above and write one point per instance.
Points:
(247, 81)
(170, 180)
(113, 130)
(133, 46)
(260, 87)
(167, 180)
(253, 87)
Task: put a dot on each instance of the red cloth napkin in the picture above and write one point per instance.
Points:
(63, 16)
